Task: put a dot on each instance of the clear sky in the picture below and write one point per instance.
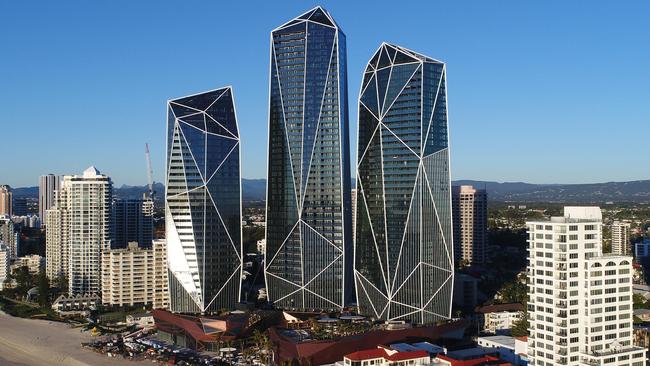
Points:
(543, 92)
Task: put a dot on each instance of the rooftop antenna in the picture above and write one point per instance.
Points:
(149, 172)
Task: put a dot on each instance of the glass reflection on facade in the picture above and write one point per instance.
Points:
(203, 203)
(308, 242)
(403, 251)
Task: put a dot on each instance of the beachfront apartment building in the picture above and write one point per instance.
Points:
(580, 300)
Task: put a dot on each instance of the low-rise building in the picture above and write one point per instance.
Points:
(33, 262)
(477, 356)
(511, 349)
(135, 276)
(383, 356)
(498, 319)
(143, 320)
(76, 303)
(643, 314)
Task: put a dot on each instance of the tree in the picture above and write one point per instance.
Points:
(24, 280)
(514, 291)
(520, 327)
(43, 285)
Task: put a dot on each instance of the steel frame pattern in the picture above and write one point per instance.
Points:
(203, 203)
(308, 222)
(403, 251)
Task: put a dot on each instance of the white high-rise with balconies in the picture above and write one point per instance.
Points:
(78, 230)
(580, 301)
(621, 238)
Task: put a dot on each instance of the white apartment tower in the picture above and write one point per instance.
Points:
(621, 238)
(470, 218)
(580, 301)
(47, 186)
(78, 230)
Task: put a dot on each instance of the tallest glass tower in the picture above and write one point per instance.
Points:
(309, 236)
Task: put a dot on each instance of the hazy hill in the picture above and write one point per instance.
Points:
(634, 191)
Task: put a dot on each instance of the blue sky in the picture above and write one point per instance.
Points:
(543, 92)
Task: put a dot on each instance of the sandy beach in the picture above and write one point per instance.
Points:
(44, 343)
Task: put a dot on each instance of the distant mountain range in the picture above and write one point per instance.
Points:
(634, 191)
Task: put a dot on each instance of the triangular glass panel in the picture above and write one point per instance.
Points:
(367, 126)
(403, 58)
(286, 261)
(391, 51)
(369, 293)
(224, 190)
(307, 14)
(223, 111)
(384, 60)
(431, 77)
(197, 120)
(200, 101)
(180, 111)
(383, 76)
(398, 79)
(195, 140)
(367, 76)
(375, 58)
(369, 96)
(437, 138)
(368, 260)
(436, 206)
(215, 127)
(403, 311)
(218, 149)
(321, 254)
(410, 288)
(319, 16)
(409, 246)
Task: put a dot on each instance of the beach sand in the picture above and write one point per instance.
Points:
(28, 342)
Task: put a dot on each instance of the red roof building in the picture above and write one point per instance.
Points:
(381, 356)
(481, 361)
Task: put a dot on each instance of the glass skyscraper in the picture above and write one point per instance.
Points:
(404, 251)
(203, 203)
(309, 238)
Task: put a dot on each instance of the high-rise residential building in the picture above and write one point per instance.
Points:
(132, 222)
(621, 238)
(78, 230)
(309, 236)
(4, 264)
(580, 300)
(469, 212)
(404, 253)
(203, 203)
(135, 275)
(6, 201)
(47, 186)
(8, 236)
(56, 245)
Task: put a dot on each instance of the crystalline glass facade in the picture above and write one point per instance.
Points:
(308, 241)
(203, 203)
(404, 251)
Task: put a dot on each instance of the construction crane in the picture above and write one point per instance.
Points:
(149, 172)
